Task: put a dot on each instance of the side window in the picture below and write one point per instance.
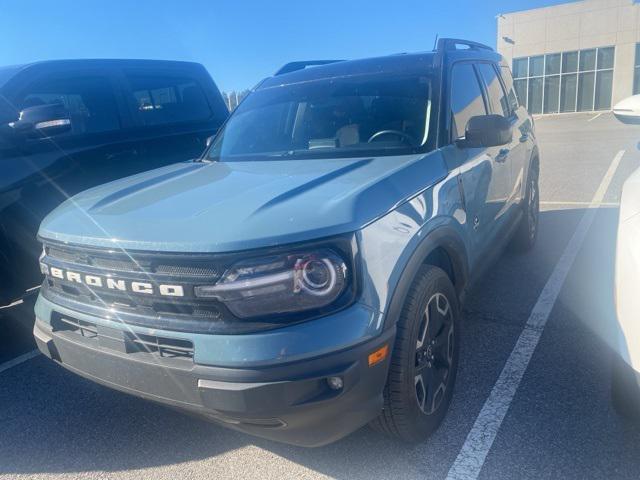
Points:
(167, 99)
(497, 97)
(507, 79)
(88, 101)
(466, 98)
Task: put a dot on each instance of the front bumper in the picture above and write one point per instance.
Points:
(288, 402)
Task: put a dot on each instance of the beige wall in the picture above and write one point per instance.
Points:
(573, 26)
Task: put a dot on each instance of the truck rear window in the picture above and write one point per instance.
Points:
(89, 101)
(167, 99)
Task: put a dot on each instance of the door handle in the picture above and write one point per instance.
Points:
(502, 155)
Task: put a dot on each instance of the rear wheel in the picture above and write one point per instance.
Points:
(527, 232)
(425, 359)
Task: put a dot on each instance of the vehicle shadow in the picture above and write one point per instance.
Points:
(55, 422)
(52, 421)
(16, 325)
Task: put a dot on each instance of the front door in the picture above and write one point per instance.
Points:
(485, 172)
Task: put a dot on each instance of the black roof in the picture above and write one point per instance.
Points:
(6, 72)
(409, 63)
(94, 62)
(11, 75)
(406, 63)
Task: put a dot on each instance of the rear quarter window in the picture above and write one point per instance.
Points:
(507, 79)
(164, 99)
(497, 96)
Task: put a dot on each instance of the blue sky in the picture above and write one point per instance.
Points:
(240, 42)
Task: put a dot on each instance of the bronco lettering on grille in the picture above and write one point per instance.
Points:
(119, 285)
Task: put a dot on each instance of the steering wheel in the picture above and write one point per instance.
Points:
(402, 135)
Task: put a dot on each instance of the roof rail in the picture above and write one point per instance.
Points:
(448, 44)
(294, 66)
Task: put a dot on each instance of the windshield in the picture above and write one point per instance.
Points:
(337, 117)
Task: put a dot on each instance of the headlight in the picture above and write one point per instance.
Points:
(281, 284)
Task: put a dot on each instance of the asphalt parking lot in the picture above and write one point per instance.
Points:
(514, 415)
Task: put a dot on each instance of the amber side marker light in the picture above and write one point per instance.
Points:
(378, 356)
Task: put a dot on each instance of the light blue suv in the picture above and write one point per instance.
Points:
(303, 277)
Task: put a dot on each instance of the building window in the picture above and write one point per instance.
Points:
(575, 81)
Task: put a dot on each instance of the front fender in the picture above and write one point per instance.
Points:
(394, 247)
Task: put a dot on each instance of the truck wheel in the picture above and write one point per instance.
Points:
(425, 359)
(625, 392)
(527, 232)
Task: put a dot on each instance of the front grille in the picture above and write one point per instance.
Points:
(122, 262)
(181, 272)
(124, 341)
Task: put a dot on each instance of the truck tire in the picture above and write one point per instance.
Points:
(625, 392)
(424, 361)
(527, 232)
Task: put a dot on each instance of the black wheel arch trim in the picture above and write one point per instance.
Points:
(442, 237)
(535, 156)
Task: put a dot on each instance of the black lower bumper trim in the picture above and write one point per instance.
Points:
(291, 403)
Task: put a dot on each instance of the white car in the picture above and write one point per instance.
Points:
(628, 110)
(626, 374)
(626, 371)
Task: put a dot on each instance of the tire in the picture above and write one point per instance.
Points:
(625, 392)
(424, 359)
(527, 232)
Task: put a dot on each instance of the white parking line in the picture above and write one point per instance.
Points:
(593, 118)
(18, 360)
(14, 304)
(473, 453)
(580, 204)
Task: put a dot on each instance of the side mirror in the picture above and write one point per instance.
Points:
(628, 110)
(486, 131)
(47, 120)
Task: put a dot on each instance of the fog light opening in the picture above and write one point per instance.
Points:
(335, 383)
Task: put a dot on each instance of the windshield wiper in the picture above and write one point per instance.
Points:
(286, 153)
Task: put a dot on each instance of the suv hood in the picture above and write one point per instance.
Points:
(229, 206)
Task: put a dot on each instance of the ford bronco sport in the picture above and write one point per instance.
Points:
(304, 277)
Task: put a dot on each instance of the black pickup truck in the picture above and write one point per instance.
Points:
(69, 125)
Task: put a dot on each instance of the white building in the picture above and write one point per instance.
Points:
(578, 56)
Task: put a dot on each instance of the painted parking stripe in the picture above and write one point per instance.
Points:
(18, 360)
(579, 204)
(11, 305)
(474, 451)
(593, 118)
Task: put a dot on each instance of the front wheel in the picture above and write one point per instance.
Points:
(425, 359)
